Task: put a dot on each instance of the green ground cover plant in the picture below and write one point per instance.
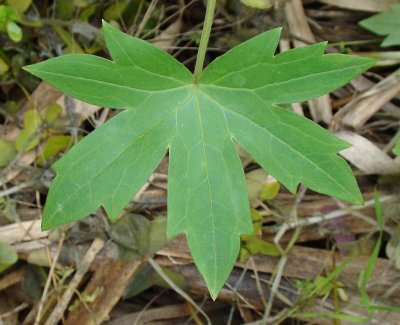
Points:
(198, 118)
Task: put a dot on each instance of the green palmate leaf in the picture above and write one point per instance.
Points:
(385, 24)
(236, 99)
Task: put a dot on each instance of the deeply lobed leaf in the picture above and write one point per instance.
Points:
(293, 76)
(235, 100)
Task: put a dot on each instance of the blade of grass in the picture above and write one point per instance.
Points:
(366, 274)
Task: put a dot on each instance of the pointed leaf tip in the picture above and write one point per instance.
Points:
(107, 26)
(214, 294)
(44, 226)
(29, 68)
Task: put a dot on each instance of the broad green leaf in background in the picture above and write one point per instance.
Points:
(131, 234)
(253, 243)
(14, 31)
(8, 18)
(52, 113)
(270, 190)
(147, 277)
(7, 256)
(385, 24)
(396, 148)
(29, 137)
(20, 6)
(53, 146)
(235, 100)
(255, 180)
(8, 209)
(259, 4)
(4, 67)
(32, 120)
(7, 152)
(137, 237)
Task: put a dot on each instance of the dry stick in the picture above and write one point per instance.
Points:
(240, 297)
(159, 315)
(17, 309)
(340, 213)
(101, 120)
(258, 283)
(22, 231)
(146, 307)
(367, 96)
(144, 188)
(82, 268)
(182, 8)
(280, 295)
(358, 113)
(275, 287)
(193, 315)
(48, 281)
(178, 290)
(16, 188)
(246, 303)
(11, 279)
(146, 17)
(282, 262)
(135, 19)
(111, 278)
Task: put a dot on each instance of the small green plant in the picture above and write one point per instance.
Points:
(198, 117)
(324, 285)
(9, 18)
(253, 243)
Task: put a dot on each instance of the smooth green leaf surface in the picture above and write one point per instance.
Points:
(7, 256)
(259, 4)
(7, 152)
(235, 100)
(54, 145)
(385, 24)
(396, 149)
(19, 5)
(14, 31)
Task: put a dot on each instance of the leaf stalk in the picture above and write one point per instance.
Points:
(205, 36)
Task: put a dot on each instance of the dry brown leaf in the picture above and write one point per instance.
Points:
(366, 156)
(167, 37)
(22, 231)
(367, 104)
(363, 5)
